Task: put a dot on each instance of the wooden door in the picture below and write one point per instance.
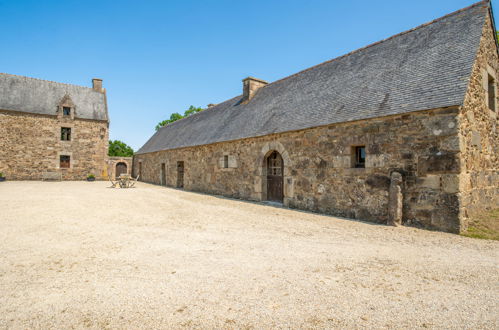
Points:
(275, 182)
(180, 174)
(120, 169)
(163, 174)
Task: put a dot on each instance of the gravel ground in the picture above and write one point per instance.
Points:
(75, 254)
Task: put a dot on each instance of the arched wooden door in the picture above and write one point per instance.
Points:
(121, 169)
(275, 181)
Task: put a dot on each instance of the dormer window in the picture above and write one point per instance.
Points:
(66, 111)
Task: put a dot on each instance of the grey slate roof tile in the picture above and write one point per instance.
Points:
(25, 94)
(424, 68)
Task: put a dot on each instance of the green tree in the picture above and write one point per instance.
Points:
(192, 110)
(176, 116)
(119, 149)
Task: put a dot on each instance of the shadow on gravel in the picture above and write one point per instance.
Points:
(270, 204)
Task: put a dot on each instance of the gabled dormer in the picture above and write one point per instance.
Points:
(66, 108)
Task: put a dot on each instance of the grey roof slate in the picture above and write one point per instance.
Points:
(424, 68)
(25, 94)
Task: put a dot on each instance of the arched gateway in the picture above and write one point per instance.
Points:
(121, 168)
(275, 177)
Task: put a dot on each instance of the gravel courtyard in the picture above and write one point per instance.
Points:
(77, 254)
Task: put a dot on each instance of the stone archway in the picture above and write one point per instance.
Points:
(119, 165)
(121, 168)
(261, 180)
(274, 177)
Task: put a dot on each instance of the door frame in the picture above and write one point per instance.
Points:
(162, 177)
(274, 177)
(261, 178)
(180, 178)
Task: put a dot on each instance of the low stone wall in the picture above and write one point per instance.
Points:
(318, 175)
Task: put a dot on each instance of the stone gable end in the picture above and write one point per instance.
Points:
(478, 134)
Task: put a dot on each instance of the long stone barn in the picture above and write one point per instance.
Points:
(403, 130)
(51, 130)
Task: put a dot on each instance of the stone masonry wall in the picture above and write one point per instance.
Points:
(30, 145)
(479, 136)
(318, 173)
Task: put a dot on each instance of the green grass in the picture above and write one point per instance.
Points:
(484, 226)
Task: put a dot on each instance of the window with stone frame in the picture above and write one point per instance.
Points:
(359, 157)
(492, 94)
(226, 161)
(66, 111)
(64, 161)
(65, 133)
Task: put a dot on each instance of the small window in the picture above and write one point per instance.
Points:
(64, 161)
(65, 134)
(492, 93)
(360, 157)
(226, 161)
(66, 111)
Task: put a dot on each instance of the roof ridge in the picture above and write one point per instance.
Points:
(476, 4)
(197, 113)
(45, 80)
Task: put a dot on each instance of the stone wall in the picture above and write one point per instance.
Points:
(479, 134)
(30, 146)
(318, 174)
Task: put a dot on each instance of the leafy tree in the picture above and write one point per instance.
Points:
(119, 149)
(192, 110)
(176, 116)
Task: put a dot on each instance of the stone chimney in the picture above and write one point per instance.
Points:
(97, 85)
(250, 86)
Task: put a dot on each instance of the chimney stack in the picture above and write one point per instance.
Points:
(250, 86)
(97, 85)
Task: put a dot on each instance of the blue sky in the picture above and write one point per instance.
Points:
(159, 57)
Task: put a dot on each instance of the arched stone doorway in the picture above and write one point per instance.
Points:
(274, 177)
(261, 180)
(121, 168)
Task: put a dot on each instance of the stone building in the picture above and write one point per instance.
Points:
(50, 130)
(403, 130)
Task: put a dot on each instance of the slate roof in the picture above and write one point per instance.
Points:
(25, 94)
(427, 67)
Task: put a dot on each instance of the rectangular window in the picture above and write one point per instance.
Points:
(492, 93)
(66, 111)
(226, 161)
(64, 161)
(360, 157)
(65, 134)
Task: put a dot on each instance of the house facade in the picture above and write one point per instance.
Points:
(403, 131)
(51, 130)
